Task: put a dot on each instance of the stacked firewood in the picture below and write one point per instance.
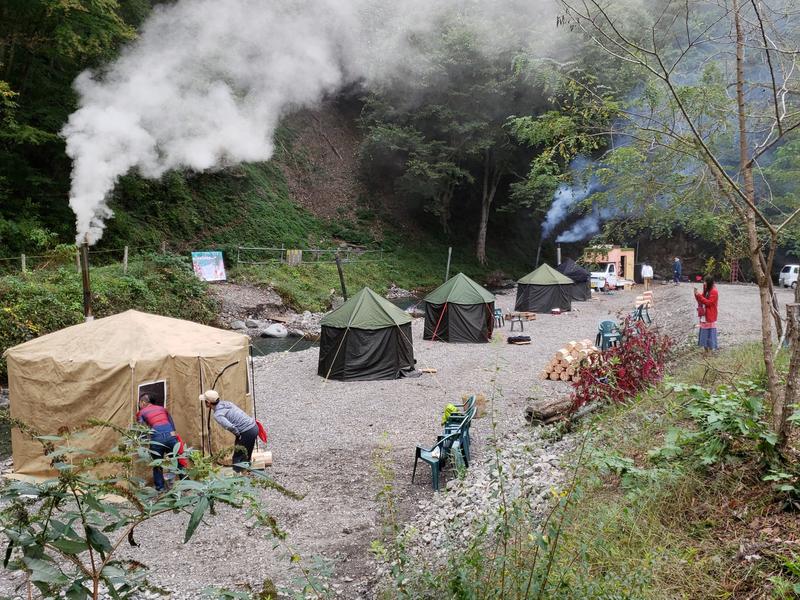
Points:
(567, 361)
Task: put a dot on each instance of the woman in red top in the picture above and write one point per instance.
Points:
(708, 301)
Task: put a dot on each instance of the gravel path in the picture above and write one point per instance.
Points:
(324, 435)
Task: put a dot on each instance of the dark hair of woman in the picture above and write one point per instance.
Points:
(708, 285)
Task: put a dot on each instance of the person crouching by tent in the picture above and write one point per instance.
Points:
(163, 437)
(239, 423)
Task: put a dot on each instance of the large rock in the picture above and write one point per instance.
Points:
(252, 323)
(238, 325)
(276, 330)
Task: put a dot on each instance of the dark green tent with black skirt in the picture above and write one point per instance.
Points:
(459, 310)
(365, 339)
(543, 290)
(580, 289)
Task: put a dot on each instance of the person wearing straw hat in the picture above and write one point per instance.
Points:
(238, 422)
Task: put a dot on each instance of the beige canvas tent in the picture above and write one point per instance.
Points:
(97, 370)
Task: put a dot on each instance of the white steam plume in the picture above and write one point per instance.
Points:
(207, 81)
(566, 197)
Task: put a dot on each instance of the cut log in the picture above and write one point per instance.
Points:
(261, 459)
(553, 375)
(547, 411)
(564, 376)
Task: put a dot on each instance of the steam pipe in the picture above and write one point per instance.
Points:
(538, 251)
(558, 254)
(87, 286)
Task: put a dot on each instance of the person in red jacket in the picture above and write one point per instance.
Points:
(707, 303)
(163, 438)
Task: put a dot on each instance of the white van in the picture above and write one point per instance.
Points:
(788, 276)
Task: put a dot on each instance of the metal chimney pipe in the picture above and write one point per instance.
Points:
(87, 286)
(558, 254)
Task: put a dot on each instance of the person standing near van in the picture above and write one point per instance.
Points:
(647, 276)
(676, 270)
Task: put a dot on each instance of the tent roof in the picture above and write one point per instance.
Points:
(546, 275)
(574, 271)
(128, 337)
(460, 289)
(366, 310)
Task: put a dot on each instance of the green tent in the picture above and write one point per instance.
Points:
(459, 310)
(366, 338)
(543, 290)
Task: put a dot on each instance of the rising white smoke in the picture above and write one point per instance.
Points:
(207, 81)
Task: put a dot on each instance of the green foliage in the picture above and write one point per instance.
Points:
(730, 423)
(47, 300)
(64, 533)
(44, 44)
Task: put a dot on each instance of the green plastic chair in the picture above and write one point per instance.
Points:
(608, 334)
(499, 319)
(461, 425)
(641, 313)
(436, 463)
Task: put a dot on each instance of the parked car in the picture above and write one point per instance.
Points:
(788, 276)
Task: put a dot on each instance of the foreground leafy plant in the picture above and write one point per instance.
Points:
(64, 533)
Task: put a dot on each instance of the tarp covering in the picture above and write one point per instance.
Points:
(93, 370)
(467, 323)
(350, 354)
(366, 310)
(365, 339)
(581, 289)
(574, 271)
(543, 290)
(460, 289)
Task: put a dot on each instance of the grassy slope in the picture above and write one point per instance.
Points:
(676, 532)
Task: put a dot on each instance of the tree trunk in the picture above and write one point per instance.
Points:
(762, 276)
(491, 179)
(444, 205)
(548, 411)
(792, 391)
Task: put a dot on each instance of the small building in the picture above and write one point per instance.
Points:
(622, 258)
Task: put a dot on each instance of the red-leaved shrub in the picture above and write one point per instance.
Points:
(624, 370)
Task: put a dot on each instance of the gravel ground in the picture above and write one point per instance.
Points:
(323, 436)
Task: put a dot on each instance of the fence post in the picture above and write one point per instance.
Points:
(78, 260)
(125, 261)
(341, 276)
(24, 265)
(238, 254)
(164, 247)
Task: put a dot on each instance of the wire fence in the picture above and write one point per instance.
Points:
(244, 255)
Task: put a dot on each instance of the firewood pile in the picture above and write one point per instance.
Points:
(565, 363)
